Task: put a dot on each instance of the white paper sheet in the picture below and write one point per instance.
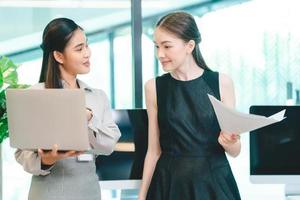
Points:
(232, 121)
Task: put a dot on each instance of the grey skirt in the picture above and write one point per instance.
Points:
(68, 180)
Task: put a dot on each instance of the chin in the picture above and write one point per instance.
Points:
(85, 71)
(168, 68)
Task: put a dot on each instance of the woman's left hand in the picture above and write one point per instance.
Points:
(227, 139)
(89, 114)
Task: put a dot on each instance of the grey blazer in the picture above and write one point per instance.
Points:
(69, 178)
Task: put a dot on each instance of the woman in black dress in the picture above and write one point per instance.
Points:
(186, 152)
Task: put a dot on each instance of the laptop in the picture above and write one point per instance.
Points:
(40, 118)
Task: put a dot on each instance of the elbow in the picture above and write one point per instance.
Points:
(154, 154)
(104, 144)
(109, 147)
(111, 144)
(108, 150)
(107, 153)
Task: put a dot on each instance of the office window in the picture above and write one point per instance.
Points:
(123, 71)
(29, 71)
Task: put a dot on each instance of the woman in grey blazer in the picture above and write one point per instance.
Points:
(69, 175)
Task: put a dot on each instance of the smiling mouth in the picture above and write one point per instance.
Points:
(87, 64)
(164, 62)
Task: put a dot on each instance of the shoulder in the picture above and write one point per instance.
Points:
(227, 90)
(150, 94)
(150, 86)
(100, 93)
(37, 86)
(225, 80)
(94, 91)
(157, 82)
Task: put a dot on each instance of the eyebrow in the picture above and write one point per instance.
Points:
(163, 42)
(80, 44)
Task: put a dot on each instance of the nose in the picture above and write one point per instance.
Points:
(87, 52)
(160, 53)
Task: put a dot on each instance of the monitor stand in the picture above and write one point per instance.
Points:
(292, 190)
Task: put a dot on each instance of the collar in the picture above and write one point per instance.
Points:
(84, 86)
(81, 84)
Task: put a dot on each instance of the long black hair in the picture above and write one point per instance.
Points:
(184, 26)
(56, 36)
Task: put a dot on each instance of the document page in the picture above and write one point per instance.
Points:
(232, 121)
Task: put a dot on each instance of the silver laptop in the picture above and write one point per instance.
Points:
(42, 118)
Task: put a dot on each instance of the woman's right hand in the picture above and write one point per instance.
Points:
(50, 157)
(141, 197)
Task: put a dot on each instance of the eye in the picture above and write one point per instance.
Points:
(167, 47)
(156, 46)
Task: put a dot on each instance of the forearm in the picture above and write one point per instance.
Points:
(149, 166)
(103, 136)
(104, 141)
(31, 162)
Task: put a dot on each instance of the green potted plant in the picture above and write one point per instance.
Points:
(8, 79)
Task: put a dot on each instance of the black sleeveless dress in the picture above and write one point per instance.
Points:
(193, 165)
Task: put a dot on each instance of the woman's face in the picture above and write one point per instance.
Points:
(75, 58)
(172, 51)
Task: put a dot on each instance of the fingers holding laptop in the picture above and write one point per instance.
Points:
(89, 114)
(50, 157)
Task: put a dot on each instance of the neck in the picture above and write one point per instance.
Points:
(188, 71)
(70, 83)
(70, 79)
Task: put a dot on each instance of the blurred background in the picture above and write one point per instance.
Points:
(257, 43)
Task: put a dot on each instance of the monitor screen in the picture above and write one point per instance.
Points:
(127, 161)
(274, 149)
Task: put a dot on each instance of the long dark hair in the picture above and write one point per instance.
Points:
(56, 36)
(184, 26)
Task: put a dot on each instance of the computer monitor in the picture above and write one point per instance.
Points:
(274, 149)
(127, 161)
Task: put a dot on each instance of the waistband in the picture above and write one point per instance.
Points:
(216, 160)
(177, 154)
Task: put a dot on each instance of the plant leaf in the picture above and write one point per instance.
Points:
(8, 79)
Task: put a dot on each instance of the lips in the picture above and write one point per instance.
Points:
(165, 62)
(87, 63)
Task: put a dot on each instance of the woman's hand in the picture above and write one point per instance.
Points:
(50, 157)
(89, 114)
(231, 143)
(226, 139)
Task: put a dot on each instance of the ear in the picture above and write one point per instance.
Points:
(58, 56)
(190, 46)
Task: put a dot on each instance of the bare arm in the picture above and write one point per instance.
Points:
(230, 141)
(154, 149)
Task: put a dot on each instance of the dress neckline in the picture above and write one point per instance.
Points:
(188, 81)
